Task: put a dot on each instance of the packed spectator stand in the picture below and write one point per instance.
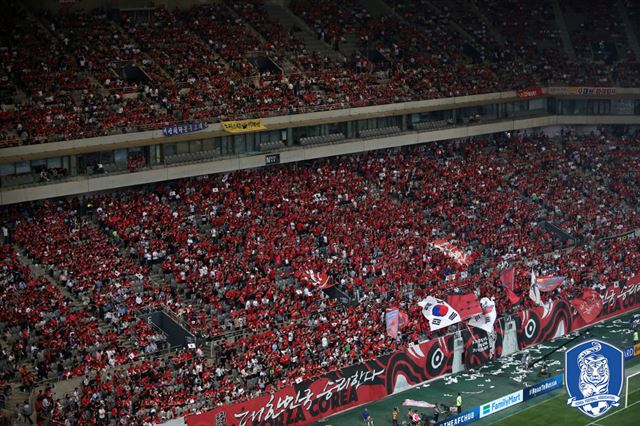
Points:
(227, 254)
(208, 62)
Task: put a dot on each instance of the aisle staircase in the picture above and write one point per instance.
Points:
(379, 8)
(630, 31)
(494, 32)
(290, 21)
(564, 31)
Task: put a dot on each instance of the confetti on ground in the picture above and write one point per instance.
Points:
(495, 379)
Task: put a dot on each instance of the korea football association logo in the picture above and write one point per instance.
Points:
(593, 376)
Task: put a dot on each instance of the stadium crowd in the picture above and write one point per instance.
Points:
(206, 62)
(231, 254)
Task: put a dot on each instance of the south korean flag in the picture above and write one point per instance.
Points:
(439, 313)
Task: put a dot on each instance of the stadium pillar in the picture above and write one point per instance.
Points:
(510, 342)
(350, 131)
(289, 136)
(458, 353)
(73, 165)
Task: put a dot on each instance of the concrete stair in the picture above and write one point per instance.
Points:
(629, 29)
(564, 31)
(289, 20)
(16, 397)
(494, 32)
(379, 8)
(284, 64)
(50, 34)
(125, 36)
(77, 303)
(453, 25)
(229, 6)
(350, 45)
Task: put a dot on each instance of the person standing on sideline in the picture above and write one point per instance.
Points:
(395, 414)
(635, 337)
(366, 418)
(459, 403)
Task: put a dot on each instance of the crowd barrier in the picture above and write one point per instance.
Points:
(312, 400)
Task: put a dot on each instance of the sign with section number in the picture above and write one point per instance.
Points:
(272, 159)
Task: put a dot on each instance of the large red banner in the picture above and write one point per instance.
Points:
(312, 400)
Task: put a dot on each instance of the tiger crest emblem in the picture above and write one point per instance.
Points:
(593, 377)
(594, 372)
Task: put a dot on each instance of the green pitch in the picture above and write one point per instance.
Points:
(553, 410)
(505, 376)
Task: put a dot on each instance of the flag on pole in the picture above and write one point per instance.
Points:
(507, 277)
(403, 319)
(487, 318)
(317, 279)
(391, 317)
(513, 298)
(439, 313)
(534, 291)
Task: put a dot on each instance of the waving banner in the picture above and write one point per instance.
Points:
(465, 304)
(485, 320)
(317, 279)
(534, 291)
(589, 305)
(548, 282)
(453, 252)
(393, 323)
(439, 313)
(414, 403)
(507, 279)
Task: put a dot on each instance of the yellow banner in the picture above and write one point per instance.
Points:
(583, 91)
(636, 349)
(243, 126)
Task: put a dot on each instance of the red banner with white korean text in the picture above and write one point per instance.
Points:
(529, 92)
(311, 400)
(588, 305)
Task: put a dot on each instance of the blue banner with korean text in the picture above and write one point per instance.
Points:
(181, 129)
